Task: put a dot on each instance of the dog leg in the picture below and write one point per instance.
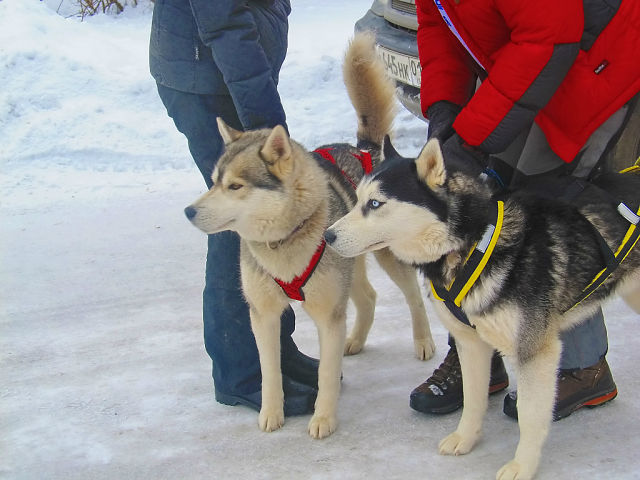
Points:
(331, 323)
(364, 299)
(536, 394)
(406, 278)
(632, 298)
(475, 361)
(266, 329)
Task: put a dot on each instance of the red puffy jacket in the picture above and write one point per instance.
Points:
(569, 65)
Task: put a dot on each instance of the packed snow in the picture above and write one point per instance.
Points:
(103, 372)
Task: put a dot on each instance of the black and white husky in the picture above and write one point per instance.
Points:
(518, 270)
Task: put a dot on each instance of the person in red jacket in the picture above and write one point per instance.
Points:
(533, 89)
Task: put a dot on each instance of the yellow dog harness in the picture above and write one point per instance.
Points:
(481, 252)
(474, 264)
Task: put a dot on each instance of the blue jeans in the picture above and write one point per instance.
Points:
(228, 338)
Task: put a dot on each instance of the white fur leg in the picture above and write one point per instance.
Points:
(475, 360)
(331, 332)
(536, 395)
(513, 471)
(406, 278)
(424, 347)
(364, 299)
(270, 418)
(633, 300)
(266, 330)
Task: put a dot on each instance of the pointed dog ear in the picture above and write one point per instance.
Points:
(388, 151)
(228, 133)
(277, 153)
(430, 165)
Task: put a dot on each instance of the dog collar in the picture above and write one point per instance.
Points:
(283, 240)
(474, 265)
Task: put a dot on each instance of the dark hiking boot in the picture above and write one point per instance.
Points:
(299, 399)
(442, 391)
(588, 387)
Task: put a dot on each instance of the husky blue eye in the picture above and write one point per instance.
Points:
(373, 204)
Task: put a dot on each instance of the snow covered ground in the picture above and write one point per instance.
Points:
(103, 374)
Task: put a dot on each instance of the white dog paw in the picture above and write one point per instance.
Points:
(321, 426)
(514, 471)
(270, 419)
(425, 348)
(353, 346)
(456, 444)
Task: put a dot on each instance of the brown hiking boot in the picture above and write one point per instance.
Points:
(588, 387)
(442, 391)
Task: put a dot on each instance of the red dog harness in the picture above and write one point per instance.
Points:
(364, 157)
(293, 289)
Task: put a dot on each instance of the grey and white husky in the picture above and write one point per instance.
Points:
(537, 280)
(280, 198)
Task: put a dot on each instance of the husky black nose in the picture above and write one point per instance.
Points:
(329, 236)
(190, 212)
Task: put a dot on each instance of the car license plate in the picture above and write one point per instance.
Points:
(401, 67)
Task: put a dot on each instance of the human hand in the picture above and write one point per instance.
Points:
(441, 116)
(460, 154)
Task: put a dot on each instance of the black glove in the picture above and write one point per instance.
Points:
(441, 116)
(459, 155)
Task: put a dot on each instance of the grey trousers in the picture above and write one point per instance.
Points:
(531, 156)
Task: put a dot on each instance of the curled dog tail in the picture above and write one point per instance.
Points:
(370, 90)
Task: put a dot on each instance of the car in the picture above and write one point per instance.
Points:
(394, 24)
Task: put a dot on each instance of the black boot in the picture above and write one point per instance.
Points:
(299, 399)
(300, 367)
(442, 391)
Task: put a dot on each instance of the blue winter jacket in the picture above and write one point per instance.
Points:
(223, 47)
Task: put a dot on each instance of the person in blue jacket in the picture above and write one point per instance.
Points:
(221, 58)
